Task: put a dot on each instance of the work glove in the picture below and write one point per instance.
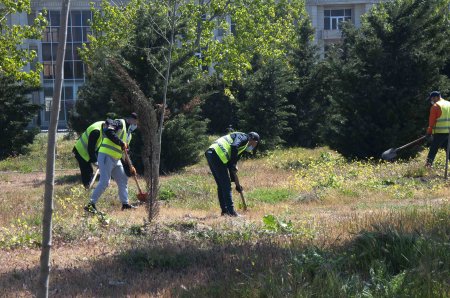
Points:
(233, 168)
(133, 171)
(96, 163)
(429, 138)
(239, 188)
(124, 146)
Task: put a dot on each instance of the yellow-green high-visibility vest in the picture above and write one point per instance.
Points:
(82, 143)
(443, 122)
(222, 146)
(111, 148)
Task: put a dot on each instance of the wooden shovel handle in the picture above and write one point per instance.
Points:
(128, 160)
(238, 185)
(137, 183)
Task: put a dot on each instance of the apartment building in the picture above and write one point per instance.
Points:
(74, 69)
(326, 16)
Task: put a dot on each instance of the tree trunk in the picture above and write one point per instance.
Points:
(44, 273)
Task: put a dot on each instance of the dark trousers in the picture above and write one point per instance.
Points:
(87, 173)
(222, 177)
(439, 141)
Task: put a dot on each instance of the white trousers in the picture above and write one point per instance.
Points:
(110, 167)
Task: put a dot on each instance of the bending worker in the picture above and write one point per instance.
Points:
(116, 135)
(222, 157)
(85, 151)
(438, 125)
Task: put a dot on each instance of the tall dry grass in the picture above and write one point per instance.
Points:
(318, 225)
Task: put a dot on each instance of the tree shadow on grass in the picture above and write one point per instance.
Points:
(164, 265)
(167, 269)
(68, 179)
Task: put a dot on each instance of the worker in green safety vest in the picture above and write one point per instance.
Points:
(116, 137)
(222, 157)
(438, 125)
(85, 150)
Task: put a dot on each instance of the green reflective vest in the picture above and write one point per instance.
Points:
(443, 122)
(111, 148)
(222, 147)
(82, 143)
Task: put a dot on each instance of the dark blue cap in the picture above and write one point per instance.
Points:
(434, 93)
(254, 136)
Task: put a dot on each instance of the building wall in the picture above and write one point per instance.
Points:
(74, 69)
(316, 10)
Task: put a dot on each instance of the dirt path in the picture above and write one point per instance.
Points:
(9, 180)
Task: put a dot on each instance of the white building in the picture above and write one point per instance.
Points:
(74, 70)
(326, 16)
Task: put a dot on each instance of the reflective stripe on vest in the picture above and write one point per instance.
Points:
(82, 143)
(443, 122)
(112, 149)
(222, 147)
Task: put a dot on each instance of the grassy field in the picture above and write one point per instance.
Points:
(317, 226)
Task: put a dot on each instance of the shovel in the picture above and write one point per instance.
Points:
(238, 185)
(390, 154)
(142, 196)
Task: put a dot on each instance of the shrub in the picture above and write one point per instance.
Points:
(182, 142)
(16, 112)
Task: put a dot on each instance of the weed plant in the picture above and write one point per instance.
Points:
(324, 174)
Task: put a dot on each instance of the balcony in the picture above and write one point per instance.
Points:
(329, 34)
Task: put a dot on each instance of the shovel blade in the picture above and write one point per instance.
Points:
(142, 197)
(389, 154)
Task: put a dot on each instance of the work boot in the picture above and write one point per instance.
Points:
(128, 206)
(91, 208)
(232, 213)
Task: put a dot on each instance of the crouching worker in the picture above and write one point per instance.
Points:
(116, 136)
(222, 157)
(85, 151)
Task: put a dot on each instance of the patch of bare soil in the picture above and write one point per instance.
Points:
(11, 181)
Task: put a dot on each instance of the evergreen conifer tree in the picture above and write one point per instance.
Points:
(16, 112)
(311, 95)
(382, 73)
(263, 104)
(218, 108)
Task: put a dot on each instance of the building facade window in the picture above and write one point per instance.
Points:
(74, 71)
(333, 18)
